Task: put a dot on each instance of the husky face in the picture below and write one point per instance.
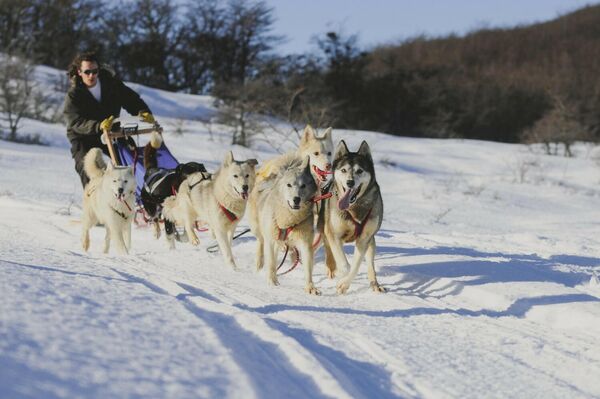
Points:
(353, 172)
(320, 151)
(240, 175)
(298, 187)
(119, 181)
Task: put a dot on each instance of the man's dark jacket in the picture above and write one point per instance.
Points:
(84, 114)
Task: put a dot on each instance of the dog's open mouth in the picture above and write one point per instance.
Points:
(349, 197)
(321, 174)
(243, 194)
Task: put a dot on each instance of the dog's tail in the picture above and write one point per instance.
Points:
(150, 160)
(93, 163)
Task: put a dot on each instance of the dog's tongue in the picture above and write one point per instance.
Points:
(344, 202)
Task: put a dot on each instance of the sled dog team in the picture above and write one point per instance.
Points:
(287, 200)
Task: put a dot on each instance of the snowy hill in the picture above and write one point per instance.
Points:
(488, 251)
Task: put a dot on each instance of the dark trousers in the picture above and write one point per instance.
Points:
(80, 147)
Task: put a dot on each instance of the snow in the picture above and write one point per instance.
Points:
(489, 252)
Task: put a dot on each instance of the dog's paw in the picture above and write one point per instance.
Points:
(342, 287)
(312, 290)
(331, 273)
(376, 287)
(273, 281)
(156, 231)
(195, 241)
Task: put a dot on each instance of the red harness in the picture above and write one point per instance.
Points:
(359, 226)
(230, 215)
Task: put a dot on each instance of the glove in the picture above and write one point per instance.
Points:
(146, 116)
(107, 123)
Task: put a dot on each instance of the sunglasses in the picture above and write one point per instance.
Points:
(91, 71)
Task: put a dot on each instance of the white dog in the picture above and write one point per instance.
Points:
(281, 213)
(319, 149)
(219, 201)
(109, 199)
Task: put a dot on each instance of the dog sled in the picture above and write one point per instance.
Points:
(124, 150)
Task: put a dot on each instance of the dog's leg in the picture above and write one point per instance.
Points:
(270, 250)
(116, 236)
(86, 223)
(189, 230)
(329, 259)
(339, 256)
(170, 233)
(225, 247)
(370, 257)
(156, 226)
(106, 239)
(260, 259)
(307, 256)
(359, 254)
(127, 235)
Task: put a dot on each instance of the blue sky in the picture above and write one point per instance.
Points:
(382, 21)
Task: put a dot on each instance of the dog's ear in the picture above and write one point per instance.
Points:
(305, 165)
(364, 150)
(327, 134)
(309, 133)
(228, 159)
(341, 149)
(252, 162)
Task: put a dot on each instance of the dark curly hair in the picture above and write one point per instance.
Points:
(90, 56)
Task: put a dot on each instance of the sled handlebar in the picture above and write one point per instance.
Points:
(125, 131)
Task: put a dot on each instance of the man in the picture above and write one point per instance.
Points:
(94, 99)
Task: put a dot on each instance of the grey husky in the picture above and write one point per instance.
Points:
(353, 214)
(281, 213)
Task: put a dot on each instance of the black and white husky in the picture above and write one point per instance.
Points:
(353, 214)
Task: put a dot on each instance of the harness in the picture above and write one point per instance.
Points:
(359, 226)
(282, 236)
(230, 215)
(156, 178)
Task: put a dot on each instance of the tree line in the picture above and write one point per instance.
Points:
(534, 83)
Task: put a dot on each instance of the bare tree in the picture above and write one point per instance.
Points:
(561, 125)
(16, 92)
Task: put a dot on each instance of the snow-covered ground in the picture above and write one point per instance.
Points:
(488, 251)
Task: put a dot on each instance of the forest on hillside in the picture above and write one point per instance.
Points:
(536, 83)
